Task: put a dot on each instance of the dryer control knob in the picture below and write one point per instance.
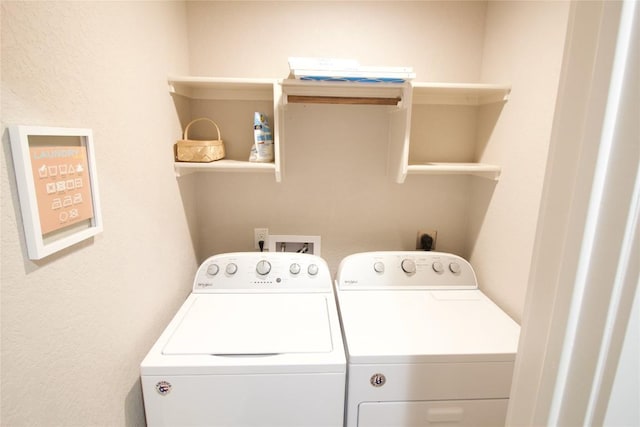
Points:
(294, 268)
(213, 269)
(454, 267)
(437, 267)
(312, 269)
(263, 268)
(231, 268)
(378, 267)
(408, 266)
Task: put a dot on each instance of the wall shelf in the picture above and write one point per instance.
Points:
(224, 165)
(431, 106)
(477, 169)
(443, 138)
(459, 93)
(344, 92)
(205, 94)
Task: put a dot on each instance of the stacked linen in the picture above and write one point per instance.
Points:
(346, 70)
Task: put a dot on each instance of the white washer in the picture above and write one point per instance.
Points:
(256, 343)
(424, 345)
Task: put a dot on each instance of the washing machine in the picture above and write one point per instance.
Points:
(256, 343)
(425, 347)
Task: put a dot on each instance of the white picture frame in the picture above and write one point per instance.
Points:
(57, 186)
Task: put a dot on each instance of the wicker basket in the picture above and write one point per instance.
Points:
(189, 150)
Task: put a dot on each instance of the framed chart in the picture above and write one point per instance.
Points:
(57, 186)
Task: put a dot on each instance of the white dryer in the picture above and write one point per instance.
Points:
(256, 343)
(424, 345)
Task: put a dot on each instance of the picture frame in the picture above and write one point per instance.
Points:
(57, 186)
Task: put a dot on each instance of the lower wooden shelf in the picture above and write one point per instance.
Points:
(478, 169)
(226, 165)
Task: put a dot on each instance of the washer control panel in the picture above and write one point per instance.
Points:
(405, 270)
(262, 271)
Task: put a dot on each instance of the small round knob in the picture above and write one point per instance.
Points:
(378, 267)
(408, 266)
(263, 267)
(454, 267)
(213, 269)
(437, 267)
(312, 269)
(231, 268)
(294, 268)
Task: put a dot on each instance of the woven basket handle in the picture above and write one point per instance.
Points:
(186, 130)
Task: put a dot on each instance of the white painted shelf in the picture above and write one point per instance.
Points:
(199, 90)
(325, 92)
(445, 100)
(224, 165)
(459, 93)
(402, 101)
(477, 169)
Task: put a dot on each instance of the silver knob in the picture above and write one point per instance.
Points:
(378, 267)
(454, 267)
(231, 268)
(263, 267)
(213, 269)
(408, 266)
(294, 268)
(437, 267)
(312, 269)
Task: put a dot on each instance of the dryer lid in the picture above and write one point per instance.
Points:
(253, 324)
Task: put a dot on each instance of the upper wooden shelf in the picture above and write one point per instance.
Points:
(459, 93)
(222, 88)
(323, 92)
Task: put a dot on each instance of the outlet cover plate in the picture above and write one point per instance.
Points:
(294, 243)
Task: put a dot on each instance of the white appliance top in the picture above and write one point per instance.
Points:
(419, 306)
(253, 312)
(253, 324)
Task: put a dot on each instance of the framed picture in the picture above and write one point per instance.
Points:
(57, 186)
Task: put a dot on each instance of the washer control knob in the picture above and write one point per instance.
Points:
(408, 266)
(231, 268)
(378, 267)
(263, 268)
(294, 268)
(312, 269)
(437, 267)
(454, 267)
(213, 269)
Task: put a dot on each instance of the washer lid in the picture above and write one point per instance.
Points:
(400, 326)
(253, 324)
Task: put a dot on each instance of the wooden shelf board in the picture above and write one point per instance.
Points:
(224, 165)
(478, 169)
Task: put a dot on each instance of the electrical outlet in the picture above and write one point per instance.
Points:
(260, 234)
(429, 232)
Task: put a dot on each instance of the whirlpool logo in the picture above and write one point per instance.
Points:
(163, 387)
(351, 282)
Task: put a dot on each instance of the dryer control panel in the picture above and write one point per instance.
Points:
(405, 270)
(263, 272)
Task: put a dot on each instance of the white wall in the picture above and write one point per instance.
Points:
(523, 44)
(335, 173)
(335, 182)
(76, 325)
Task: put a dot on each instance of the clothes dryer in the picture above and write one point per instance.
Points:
(256, 343)
(424, 345)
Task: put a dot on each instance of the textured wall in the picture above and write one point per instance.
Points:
(335, 182)
(76, 325)
(523, 44)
